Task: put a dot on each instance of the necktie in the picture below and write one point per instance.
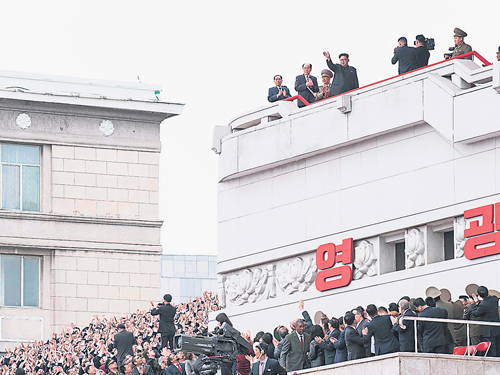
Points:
(261, 369)
(302, 341)
(179, 367)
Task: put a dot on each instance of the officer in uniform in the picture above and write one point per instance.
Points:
(324, 89)
(460, 46)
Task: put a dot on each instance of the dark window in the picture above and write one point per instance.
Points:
(449, 246)
(400, 256)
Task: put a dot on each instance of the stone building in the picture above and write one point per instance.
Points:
(79, 201)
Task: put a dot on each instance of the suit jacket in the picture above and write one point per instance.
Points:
(368, 347)
(272, 367)
(293, 356)
(407, 59)
(309, 322)
(431, 334)
(124, 340)
(345, 78)
(487, 310)
(173, 370)
(406, 335)
(340, 349)
(316, 354)
(422, 55)
(330, 348)
(304, 91)
(354, 343)
(167, 313)
(273, 92)
(381, 327)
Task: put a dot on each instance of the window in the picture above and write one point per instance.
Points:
(449, 245)
(20, 177)
(400, 256)
(19, 280)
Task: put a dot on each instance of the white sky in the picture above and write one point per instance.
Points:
(219, 57)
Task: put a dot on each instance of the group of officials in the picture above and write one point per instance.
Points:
(345, 77)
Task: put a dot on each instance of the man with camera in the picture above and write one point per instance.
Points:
(421, 52)
(405, 56)
(167, 328)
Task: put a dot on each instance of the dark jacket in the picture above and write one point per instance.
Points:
(362, 325)
(487, 310)
(381, 327)
(124, 340)
(407, 59)
(340, 349)
(316, 354)
(272, 367)
(173, 370)
(422, 55)
(304, 91)
(330, 348)
(354, 343)
(167, 314)
(345, 79)
(431, 334)
(273, 92)
(406, 335)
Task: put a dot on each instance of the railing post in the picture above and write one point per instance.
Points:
(416, 341)
(468, 339)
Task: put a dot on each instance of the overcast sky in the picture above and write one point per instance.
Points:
(219, 57)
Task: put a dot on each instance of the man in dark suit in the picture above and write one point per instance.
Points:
(421, 52)
(405, 328)
(487, 308)
(333, 335)
(167, 327)
(346, 76)
(278, 92)
(124, 340)
(306, 85)
(361, 323)
(265, 365)
(353, 340)
(405, 55)
(381, 328)
(431, 335)
(176, 368)
(293, 355)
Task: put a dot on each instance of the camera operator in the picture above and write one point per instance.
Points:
(422, 54)
(405, 55)
(167, 314)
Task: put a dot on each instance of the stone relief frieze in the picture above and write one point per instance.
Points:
(414, 248)
(365, 260)
(459, 229)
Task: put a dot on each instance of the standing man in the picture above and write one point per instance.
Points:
(264, 365)
(346, 76)
(124, 341)
(295, 349)
(460, 47)
(167, 327)
(405, 55)
(324, 89)
(421, 52)
(381, 328)
(353, 340)
(306, 85)
(361, 323)
(486, 307)
(430, 334)
(278, 92)
(405, 328)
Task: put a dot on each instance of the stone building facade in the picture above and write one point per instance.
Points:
(79, 185)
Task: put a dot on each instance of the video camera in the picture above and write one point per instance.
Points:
(448, 55)
(429, 43)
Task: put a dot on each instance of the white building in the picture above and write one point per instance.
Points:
(392, 166)
(79, 209)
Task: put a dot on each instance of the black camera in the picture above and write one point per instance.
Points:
(429, 43)
(448, 55)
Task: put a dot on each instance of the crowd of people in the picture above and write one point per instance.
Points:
(98, 347)
(345, 77)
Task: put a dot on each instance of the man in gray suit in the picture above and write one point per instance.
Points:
(293, 356)
(124, 341)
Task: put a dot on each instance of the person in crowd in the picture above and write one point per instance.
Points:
(317, 347)
(189, 359)
(295, 349)
(380, 327)
(353, 340)
(307, 318)
(278, 92)
(485, 307)
(167, 314)
(329, 342)
(339, 344)
(430, 334)
(346, 76)
(405, 56)
(448, 307)
(405, 328)
(461, 47)
(176, 367)
(268, 339)
(324, 89)
(264, 364)
(422, 54)
(361, 323)
(306, 85)
(498, 54)
(124, 342)
(280, 334)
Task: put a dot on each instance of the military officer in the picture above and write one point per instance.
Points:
(324, 89)
(460, 47)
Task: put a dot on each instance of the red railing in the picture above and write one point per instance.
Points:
(473, 53)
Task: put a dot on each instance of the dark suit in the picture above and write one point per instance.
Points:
(406, 335)
(273, 92)
(173, 370)
(309, 322)
(330, 348)
(422, 55)
(271, 367)
(124, 340)
(306, 92)
(407, 59)
(345, 78)
(167, 328)
(381, 327)
(359, 327)
(354, 343)
(340, 349)
(431, 334)
(293, 356)
(487, 310)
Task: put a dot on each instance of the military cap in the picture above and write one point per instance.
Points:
(326, 72)
(459, 32)
(433, 292)
(471, 289)
(445, 295)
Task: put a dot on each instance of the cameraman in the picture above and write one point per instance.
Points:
(421, 52)
(405, 55)
(167, 314)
